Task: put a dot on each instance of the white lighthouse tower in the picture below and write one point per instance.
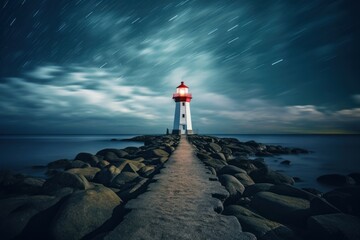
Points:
(182, 118)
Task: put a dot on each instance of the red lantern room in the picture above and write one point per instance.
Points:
(182, 93)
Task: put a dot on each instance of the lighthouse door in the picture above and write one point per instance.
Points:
(183, 127)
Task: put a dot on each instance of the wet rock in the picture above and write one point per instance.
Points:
(269, 176)
(281, 208)
(77, 164)
(231, 170)
(26, 217)
(334, 227)
(246, 164)
(261, 227)
(61, 163)
(84, 212)
(232, 185)
(155, 153)
(147, 171)
(287, 190)
(257, 187)
(123, 179)
(335, 179)
(285, 162)
(215, 147)
(356, 177)
(217, 164)
(89, 172)
(112, 153)
(346, 199)
(87, 158)
(65, 179)
(319, 206)
(103, 163)
(106, 175)
(245, 179)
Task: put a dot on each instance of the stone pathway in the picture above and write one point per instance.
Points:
(179, 205)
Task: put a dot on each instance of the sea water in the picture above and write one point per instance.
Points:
(329, 153)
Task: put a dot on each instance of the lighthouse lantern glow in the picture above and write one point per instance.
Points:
(182, 118)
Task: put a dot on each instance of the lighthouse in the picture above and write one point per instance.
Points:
(182, 118)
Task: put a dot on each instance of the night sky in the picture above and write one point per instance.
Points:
(111, 66)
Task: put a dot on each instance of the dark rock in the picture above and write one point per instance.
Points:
(257, 187)
(89, 172)
(112, 153)
(106, 175)
(281, 208)
(231, 170)
(232, 185)
(28, 185)
(346, 199)
(297, 179)
(83, 212)
(299, 151)
(261, 227)
(335, 179)
(215, 147)
(313, 191)
(103, 163)
(356, 177)
(319, 206)
(134, 189)
(131, 150)
(147, 171)
(65, 179)
(87, 158)
(334, 227)
(26, 217)
(285, 162)
(77, 164)
(61, 163)
(123, 179)
(264, 154)
(269, 176)
(217, 164)
(245, 179)
(155, 153)
(247, 165)
(287, 190)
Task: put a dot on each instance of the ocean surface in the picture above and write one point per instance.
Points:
(329, 153)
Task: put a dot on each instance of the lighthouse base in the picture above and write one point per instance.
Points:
(179, 132)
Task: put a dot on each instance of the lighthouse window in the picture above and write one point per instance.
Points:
(183, 115)
(183, 104)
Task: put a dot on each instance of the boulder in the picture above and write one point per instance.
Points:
(28, 185)
(61, 163)
(269, 176)
(77, 164)
(87, 158)
(217, 164)
(319, 206)
(281, 208)
(345, 198)
(215, 147)
(261, 227)
(103, 163)
(231, 170)
(356, 177)
(335, 179)
(133, 189)
(112, 153)
(288, 190)
(233, 186)
(65, 179)
(245, 179)
(106, 175)
(83, 212)
(26, 217)
(155, 153)
(257, 187)
(147, 171)
(246, 164)
(285, 162)
(124, 178)
(89, 172)
(334, 227)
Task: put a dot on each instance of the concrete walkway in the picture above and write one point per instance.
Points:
(179, 205)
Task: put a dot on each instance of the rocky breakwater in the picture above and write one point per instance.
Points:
(83, 198)
(266, 203)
